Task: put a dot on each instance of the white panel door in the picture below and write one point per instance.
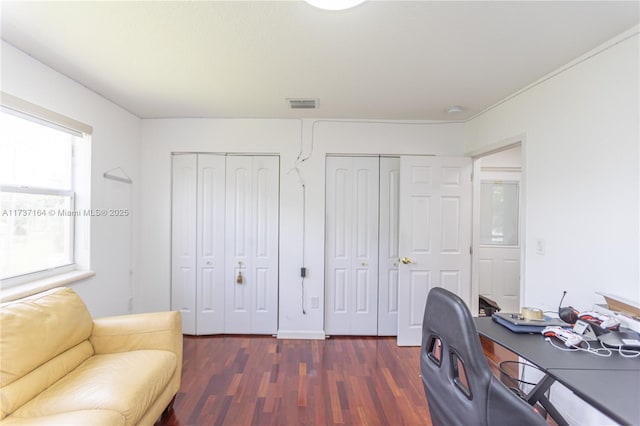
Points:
(183, 239)
(388, 246)
(435, 236)
(499, 276)
(352, 245)
(498, 247)
(251, 238)
(210, 244)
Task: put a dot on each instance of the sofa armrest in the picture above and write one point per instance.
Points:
(157, 330)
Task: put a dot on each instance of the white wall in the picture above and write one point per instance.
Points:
(581, 169)
(286, 138)
(581, 162)
(115, 142)
(509, 158)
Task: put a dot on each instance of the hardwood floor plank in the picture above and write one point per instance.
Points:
(232, 388)
(258, 380)
(302, 385)
(222, 414)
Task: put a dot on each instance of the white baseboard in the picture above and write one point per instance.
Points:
(301, 334)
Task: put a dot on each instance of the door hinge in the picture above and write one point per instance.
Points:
(471, 250)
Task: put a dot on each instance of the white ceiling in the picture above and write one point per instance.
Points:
(401, 60)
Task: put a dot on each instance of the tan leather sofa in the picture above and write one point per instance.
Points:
(59, 366)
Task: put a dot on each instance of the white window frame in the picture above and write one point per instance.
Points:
(33, 282)
(17, 189)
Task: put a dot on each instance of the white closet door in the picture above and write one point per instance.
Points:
(352, 245)
(435, 236)
(183, 239)
(388, 247)
(251, 238)
(210, 244)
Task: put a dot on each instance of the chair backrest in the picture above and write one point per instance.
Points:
(457, 380)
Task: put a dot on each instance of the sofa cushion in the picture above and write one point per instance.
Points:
(127, 382)
(17, 393)
(38, 328)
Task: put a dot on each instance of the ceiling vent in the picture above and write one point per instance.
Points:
(303, 103)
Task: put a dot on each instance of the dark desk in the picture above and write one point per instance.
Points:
(610, 384)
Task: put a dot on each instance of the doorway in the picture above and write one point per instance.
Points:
(497, 228)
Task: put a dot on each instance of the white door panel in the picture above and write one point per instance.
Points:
(339, 193)
(419, 285)
(237, 233)
(183, 239)
(265, 222)
(499, 276)
(352, 245)
(388, 247)
(210, 244)
(252, 244)
(435, 235)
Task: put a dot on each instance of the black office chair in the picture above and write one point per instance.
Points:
(460, 388)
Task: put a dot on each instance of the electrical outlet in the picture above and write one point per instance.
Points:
(540, 246)
(315, 302)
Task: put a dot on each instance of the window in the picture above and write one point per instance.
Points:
(499, 213)
(39, 216)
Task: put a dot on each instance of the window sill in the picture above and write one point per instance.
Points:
(37, 286)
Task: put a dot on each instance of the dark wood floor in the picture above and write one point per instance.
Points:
(242, 380)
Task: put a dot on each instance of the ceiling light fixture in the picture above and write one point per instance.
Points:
(454, 109)
(334, 4)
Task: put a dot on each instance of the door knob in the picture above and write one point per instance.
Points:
(363, 264)
(406, 260)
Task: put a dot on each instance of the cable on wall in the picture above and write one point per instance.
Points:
(303, 270)
(296, 168)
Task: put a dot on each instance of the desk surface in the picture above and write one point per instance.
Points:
(610, 384)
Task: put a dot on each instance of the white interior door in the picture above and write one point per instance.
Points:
(498, 255)
(183, 239)
(210, 244)
(251, 239)
(388, 246)
(435, 236)
(499, 276)
(351, 245)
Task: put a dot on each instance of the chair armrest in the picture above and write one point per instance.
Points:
(157, 330)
